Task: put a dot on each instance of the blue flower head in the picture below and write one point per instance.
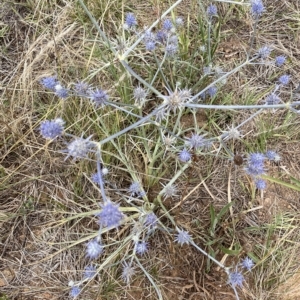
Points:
(94, 249)
(171, 50)
(60, 91)
(280, 60)
(151, 220)
(236, 279)
(51, 129)
(248, 263)
(110, 216)
(183, 237)
(284, 79)
(184, 155)
(141, 248)
(161, 36)
(196, 141)
(82, 88)
(98, 97)
(150, 46)
(260, 184)
(75, 291)
(167, 25)
(79, 148)
(212, 91)
(135, 189)
(264, 52)
(89, 272)
(271, 155)
(257, 8)
(212, 11)
(272, 99)
(49, 82)
(130, 20)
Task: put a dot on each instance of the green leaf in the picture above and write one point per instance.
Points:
(276, 180)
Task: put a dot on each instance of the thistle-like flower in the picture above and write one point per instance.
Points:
(89, 272)
(248, 263)
(196, 141)
(79, 148)
(75, 291)
(141, 247)
(135, 189)
(49, 82)
(51, 129)
(179, 22)
(127, 272)
(183, 237)
(98, 97)
(60, 91)
(280, 60)
(184, 155)
(139, 95)
(110, 216)
(94, 249)
(284, 79)
(211, 11)
(171, 50)
(170, 191)
(151, 220)
(272, 155)
(167, 25)
(264, 52)
(257, 8)
(236, 279)
(260, 184)
(82, 88)
(130, 21)
(272, 99)
(175, 100)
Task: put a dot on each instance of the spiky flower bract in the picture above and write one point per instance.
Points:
(79, 148)
(179, 22)
(139, 95)
(167, 25)
(284, 79)
(135, 189)
(272, 155)
(141, 247)
(175, 100)
(49, 82)
(183, 237)
(212, 91)
(264, 52)
(75, 291)
(171, 50)
(89, 272)
(280, 60)
(248, 263)
(82, 88)
(185, 155)
(110, 216)
(260, 184)
(212, 11)
(51, 129)
(272, 99)
(127, 272)
(151, 220)
(130, 21)
(60, 91)
(196, 141)
(257, 8)
(94, 249)
(98, 97)
(236, 279)
(170, 191)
